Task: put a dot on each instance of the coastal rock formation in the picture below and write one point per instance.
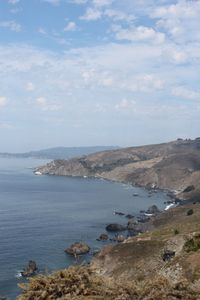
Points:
(30, 269)
(78, 249)
(159, 250)
(159, 264)
(119, 238)
(174, 166)
(103, 237)
(115, 227)
(153, 210)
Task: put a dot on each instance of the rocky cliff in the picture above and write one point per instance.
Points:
(162, 263)
(174, 166)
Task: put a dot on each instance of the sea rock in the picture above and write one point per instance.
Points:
(119, 213)
(129, 216)
(119, 238)
(103, 237)
(78, 249)
(115, 227)
(143, 219)
(30, 269)
(131, 225)
(153, 210)
(2, 298)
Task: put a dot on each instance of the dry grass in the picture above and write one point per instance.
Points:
(81, 283)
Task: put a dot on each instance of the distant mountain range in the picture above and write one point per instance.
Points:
(60, 152)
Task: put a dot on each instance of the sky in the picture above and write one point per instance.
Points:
(98, 72)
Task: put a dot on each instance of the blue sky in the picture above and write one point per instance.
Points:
(98, 72)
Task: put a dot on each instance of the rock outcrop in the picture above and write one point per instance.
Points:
(153, 210)
(30, 270)
(115, 227)
(78, 249)
(159, 264)
(103, 237)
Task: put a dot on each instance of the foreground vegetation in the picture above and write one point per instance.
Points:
(161, 264)
(83, 283)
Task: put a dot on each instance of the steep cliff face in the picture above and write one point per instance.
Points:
(173, 166)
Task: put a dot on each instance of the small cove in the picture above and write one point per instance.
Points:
(42, 215)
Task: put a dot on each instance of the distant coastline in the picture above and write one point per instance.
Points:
(59, 152)
(173, 166)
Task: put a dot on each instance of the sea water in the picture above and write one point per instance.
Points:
(40, 216)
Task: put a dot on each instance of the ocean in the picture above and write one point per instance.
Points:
(40, 216)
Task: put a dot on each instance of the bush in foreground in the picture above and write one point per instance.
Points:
(81, 283)
(192, 244)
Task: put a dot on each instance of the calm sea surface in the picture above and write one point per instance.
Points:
(41, 215)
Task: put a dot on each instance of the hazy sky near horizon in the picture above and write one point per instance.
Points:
(98, 72)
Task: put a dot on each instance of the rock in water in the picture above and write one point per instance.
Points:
(119, 238)
(118, 213)
(131, 225)
(78, 249)
(30, 269)
(103, 237)
(153, 210)
(115, 227)
(129, 216)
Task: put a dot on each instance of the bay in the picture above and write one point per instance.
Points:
(42, 215)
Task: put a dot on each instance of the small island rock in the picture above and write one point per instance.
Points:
(115, 227)
(153, 210)
(30, 269)
(129, 216)
(78, 249)
(131, 225)
(103, 237)
(119, 238)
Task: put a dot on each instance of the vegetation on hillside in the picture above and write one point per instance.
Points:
(81, 283)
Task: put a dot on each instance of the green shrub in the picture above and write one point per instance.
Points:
(192, 244)
(190, 212)
(176, 231)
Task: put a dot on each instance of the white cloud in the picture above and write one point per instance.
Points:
(117, 15)
(101, 3)
(182, 9)
(180, 21)
(71, 26)
(30, 87)
(95, 10)
(92, 14)
(125, 104)
(3, 101)
(139, 34)
(143, 83)
(176, 55)
(41, 30)
(79, 1)
(46, 105)
(184, 92)
(12, 25)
